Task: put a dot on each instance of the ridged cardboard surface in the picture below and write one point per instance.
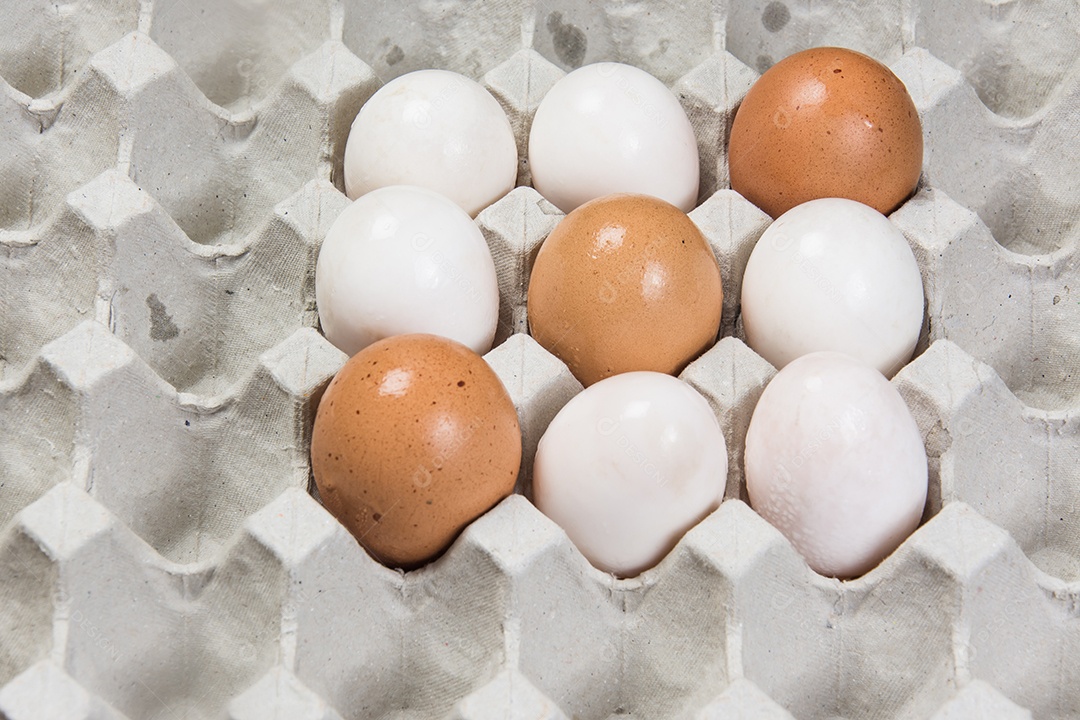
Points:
(170, 169)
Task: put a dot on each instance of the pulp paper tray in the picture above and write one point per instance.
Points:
(170, 167)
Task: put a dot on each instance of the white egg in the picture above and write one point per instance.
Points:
(628, 466)
(405, 259)
(436, 129)
(612, 128)
(836, 463)
(833, 274)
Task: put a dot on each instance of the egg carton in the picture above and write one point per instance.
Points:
(172, 166)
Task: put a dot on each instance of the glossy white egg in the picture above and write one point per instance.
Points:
(435, 129)
(628, 466)
(833, 274)
(835, 461)
(405, 259)
(611, 128)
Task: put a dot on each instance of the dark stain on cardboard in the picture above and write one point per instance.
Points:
(162, 326)
(394, 55)
(775, 17)
(569, 40)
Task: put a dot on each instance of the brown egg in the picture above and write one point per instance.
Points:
(414, 439)
(826, 122)
(625, 282)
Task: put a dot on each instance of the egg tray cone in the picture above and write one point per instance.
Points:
(171, 167)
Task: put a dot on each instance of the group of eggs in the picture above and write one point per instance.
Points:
(416, 436)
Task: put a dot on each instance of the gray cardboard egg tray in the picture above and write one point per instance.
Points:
(169, 174)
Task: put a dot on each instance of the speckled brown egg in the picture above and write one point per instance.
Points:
(826, 122)
(623, 283)
(414, 438)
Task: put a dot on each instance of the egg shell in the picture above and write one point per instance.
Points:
(624, 283)
(414, 438)
(612, 128)
(405, 259)
(826, 122)
(628, 466)
(835, 461)
(833, 274)
(436, 129)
